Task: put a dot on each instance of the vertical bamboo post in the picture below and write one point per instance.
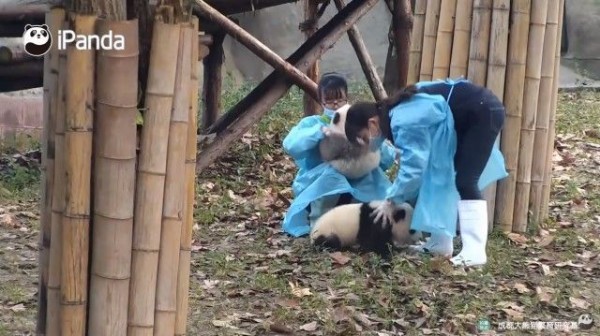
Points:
(496, 72)
(416, 41)
(429, 39)
(58, 193)
(462, 35)
(537, 26)
(114, 180)
(172, 221)
(311, 106)
(544, 106)
(185, 256)
(150, 181)
(213, 80)
(443, 42)
(479, 44)
(513, 101)
(54, 19)
(78, 163)
(552, 120)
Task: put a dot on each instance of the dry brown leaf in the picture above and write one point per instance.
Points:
(339, 258)
(521, 288)
(579, 303)
(7, 220)
(299, 292)
(18, 308)
(312, 326)
(517, 238)
(288, 303)
(547, 240)
(544, 294)
(281, 329)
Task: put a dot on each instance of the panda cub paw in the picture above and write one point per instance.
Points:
(327, 131)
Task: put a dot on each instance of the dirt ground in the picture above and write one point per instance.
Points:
(248, 278)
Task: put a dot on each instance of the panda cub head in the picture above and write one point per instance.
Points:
(37, 39)
(351, 224)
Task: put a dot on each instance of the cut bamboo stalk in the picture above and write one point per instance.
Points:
(185, 251)
(54, 20)
(432, 15)
(496, 73)
(443, 42)
(58, 198)
(78, 163)
(150, 182)
(114, 180)
(311, 105)
(552, 120)
(416, 41)
(462, 35)
(513, 102)
(537, 26)
(539, 163)
(479, 44)
(175, 191)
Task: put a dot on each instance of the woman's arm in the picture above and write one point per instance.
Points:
(388, 155)
(303, 137)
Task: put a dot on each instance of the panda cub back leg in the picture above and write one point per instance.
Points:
(329, 242)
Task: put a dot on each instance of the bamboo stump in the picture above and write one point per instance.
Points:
(429, 39)
(462, 35)
(114, 180)
(443, 42)
(416, 41)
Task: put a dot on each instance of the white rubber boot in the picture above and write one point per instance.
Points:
(437, 244)
(473, 221)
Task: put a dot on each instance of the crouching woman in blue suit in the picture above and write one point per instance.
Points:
(446, 132)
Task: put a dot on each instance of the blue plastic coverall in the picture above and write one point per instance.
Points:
(423, 130)
(316, 179)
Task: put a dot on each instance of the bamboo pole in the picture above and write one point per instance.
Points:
(496, 73)
(462, 35)
(114, 180)
(185, 254)
(443, 42)
(311, 105)
(479, 44)
(150, 181)
(402, 22)
(429, 39)
(416, 41)
(54, 19)
(258, 48)
(552, 120)
(174, 195)
(513, 101)
(78, 162)
(537, 25)
(58, 197)
(544, 105)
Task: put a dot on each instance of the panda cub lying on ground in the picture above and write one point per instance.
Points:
(351, 160)
(350, 224)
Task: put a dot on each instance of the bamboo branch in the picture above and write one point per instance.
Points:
(249, 110)
(364, 58)
(258, 48)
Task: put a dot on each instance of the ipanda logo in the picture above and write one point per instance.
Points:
(37, 40)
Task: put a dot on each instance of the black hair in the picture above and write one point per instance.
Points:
(334, 85)
(358, 115)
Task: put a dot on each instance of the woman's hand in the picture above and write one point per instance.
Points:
(384, 213)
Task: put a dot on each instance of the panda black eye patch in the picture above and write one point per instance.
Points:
(336, 118)
(44, 33)
(32, 33)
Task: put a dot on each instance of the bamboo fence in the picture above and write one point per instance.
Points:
(513, 49)
(416, 41)
(116, 233)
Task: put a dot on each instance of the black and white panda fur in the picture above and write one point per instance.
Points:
(351, 160)
(351, 224)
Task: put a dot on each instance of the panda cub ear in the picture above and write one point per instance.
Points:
(27, 26)
(45, 26)
(399, 215)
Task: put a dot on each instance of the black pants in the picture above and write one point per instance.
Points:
(478, 119)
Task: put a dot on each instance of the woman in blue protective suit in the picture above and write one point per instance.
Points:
(446, 132)
(318, 187)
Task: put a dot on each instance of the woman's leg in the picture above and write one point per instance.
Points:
(473, 151)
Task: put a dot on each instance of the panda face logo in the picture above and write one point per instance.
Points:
(585, 322)
(37, 39)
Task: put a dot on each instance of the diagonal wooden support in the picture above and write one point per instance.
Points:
(258, 48)
(249, 110)
(364, 58)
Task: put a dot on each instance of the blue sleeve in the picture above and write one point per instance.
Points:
(388, 155)
(414, 143)
(303, 137)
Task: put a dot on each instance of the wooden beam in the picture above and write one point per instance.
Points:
(213, 78)
(10, 54)
(249, 110)
(402, 22)
(32, 68)
(364, 58)
(258, 48)
(311, 105)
